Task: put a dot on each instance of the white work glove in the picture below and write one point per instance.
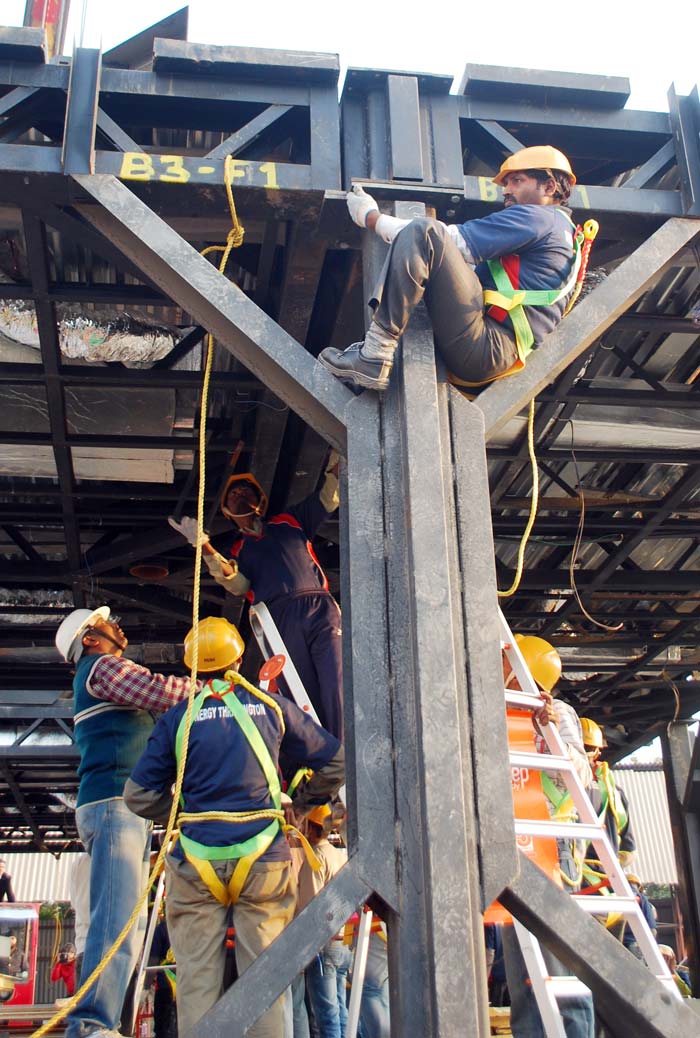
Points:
(332, 463)
(188, 528)
(360, 204)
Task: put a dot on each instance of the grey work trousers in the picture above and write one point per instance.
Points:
(424, 261)
(197, 926)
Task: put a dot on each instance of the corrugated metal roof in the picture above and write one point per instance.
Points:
(654, 861)
(40, 877)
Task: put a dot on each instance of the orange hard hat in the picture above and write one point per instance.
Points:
(319, 814)
(249, 479)
(542, 156)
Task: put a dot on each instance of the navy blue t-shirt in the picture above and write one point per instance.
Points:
(281, 560)
(222, 771)
(541, 236)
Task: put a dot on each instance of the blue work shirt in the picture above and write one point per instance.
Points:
(281, 560)
(222, 772)
(540, 238)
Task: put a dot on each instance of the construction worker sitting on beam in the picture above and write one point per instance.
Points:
(494, 287)
(231, 849)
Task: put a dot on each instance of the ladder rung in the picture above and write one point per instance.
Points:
(541, 761)
(563, 986)
(601, 905)
(523, 699)
(559, 830)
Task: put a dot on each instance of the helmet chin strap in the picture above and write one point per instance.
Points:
(253, 510)
(109, 638)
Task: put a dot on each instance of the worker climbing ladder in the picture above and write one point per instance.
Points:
(271, 644)
(587, 827)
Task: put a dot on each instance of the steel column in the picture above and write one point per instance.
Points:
(624, 989)
(685, 828)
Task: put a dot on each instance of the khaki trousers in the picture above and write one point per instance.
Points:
(197, 926)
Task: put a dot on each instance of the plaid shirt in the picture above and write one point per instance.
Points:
(120, 681)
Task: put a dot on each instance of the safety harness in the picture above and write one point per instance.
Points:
(508, 300)
(201, 855)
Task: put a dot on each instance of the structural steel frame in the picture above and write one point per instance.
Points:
(428, 778)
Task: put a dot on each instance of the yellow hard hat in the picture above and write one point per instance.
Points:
(542, 156)
(249, 478)
(592, 734)
(543, 660)
(320, 814)
(220, 645)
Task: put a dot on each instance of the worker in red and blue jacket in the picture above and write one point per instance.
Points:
(494, 287)
(272, 560)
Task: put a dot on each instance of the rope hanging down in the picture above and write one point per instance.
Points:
(234, 239)
(533, 504)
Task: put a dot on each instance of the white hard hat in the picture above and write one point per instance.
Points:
(69, 636)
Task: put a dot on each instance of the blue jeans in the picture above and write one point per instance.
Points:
(118, 843)
(374, 1007)
(300, 1016)
(326, 979)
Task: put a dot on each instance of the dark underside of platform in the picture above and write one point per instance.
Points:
(95, 456)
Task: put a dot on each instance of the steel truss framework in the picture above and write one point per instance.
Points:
(111, 181)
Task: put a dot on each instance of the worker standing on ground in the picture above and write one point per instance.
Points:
(272, 561)
(544, 664)
(528, 248)
(114, 701)
(240, 858)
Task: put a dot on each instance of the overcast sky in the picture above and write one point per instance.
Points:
(605, 37)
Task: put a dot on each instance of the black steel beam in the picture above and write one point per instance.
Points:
(600, 397)
(657, 164)
(654, 203)
(685, 829)
(248, 133)
(160, 375)
(78, 154)
(587, 322)
(684, 113)
(35, 241)
(70, 292)
(259, 343)
(114, 133)
(684, 489)
(622, 986)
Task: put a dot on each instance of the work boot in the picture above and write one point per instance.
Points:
(351, 365)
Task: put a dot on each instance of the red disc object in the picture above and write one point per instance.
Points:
(272, 668)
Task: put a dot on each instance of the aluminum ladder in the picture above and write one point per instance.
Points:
(547, 990)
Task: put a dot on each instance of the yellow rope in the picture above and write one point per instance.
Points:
(533, 504)
(235, 238)
(231, 816)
